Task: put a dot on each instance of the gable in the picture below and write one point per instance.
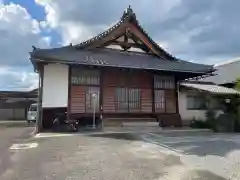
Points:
(126, 34)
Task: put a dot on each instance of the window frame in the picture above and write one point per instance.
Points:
(163, 83)
(89, 95)
(132, 96)
(195, 99)
(88, 83)
(156, 103)
(85, 76)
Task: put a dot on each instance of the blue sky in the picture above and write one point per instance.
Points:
(201, 31)
(37, 11)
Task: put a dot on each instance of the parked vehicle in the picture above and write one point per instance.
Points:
(32, 113)
(60, 123)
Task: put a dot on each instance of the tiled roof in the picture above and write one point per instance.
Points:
(226, 73)
(116, 58)
(106, 57)
(210, 87)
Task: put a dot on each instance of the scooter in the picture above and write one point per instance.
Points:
(60, 123)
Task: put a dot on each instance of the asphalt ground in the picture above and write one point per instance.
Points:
(216, 152)
(9, 136)
(121, 156)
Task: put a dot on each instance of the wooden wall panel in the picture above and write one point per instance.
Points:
(77, 99)
(134, 79)
(143, 80)
(108, 99)
(110, 78)
(146, 100)
(170, 101)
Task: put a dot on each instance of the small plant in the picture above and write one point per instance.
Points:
(201, 124)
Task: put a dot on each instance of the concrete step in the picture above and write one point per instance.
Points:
(130, 122)
(140, 124)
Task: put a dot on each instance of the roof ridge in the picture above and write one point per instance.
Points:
(122, 51)
(228, 62)
(126, 14)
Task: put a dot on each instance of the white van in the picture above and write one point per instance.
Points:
(32, 113)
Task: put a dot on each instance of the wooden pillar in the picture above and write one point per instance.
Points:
(101, 96)
(69, 93)
(153, 95)
(40, 92)
(176, 94)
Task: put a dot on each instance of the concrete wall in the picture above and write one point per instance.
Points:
(55, 85)
(186, 114)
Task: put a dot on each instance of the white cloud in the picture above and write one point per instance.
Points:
(80, 20)
(200, 30)
(19, 80)
(18, 32)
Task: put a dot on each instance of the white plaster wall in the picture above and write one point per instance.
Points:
(188, 115)
(55, 85)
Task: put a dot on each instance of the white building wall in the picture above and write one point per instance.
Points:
(55, 85)
(188, 115)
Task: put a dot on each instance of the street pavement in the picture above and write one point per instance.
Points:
(123, 156)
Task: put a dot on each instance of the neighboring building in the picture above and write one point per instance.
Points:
(226, 74)
(196, 96)
(14, 104)
(193, 95)
(126, 84)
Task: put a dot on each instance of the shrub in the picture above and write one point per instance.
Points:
(199, 124)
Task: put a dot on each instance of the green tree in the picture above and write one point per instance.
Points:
(237, 85)
(237, 106)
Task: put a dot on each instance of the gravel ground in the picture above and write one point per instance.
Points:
(100, 157)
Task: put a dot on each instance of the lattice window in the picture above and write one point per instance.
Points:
(128, 99)
(92, 99)
(164, 82)
(159, 100)
(85, 77)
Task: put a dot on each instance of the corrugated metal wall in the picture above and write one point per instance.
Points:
(12, 114)
(14, 110)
